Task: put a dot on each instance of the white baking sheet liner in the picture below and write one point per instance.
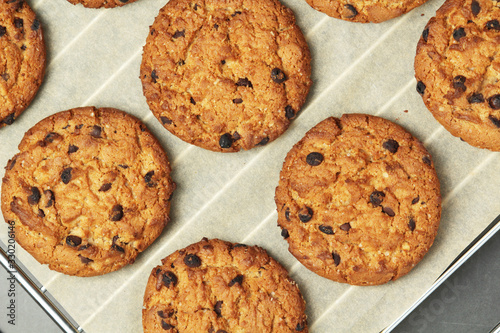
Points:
(93, 59)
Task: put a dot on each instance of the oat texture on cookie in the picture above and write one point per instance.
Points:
(88, 191)
(358, 200)
(101, 3)
(457, 67)
(365, 11)
(225, 75)
(22, 58)
(220, 287)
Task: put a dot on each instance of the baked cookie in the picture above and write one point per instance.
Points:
(22, 58)
(457, 67)
(101, 3)
(365, 11)
(358, 200)
(218, 287)
(225, 75)
(89, 190)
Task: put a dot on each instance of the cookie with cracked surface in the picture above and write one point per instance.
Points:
(22, 58)
(216, 286)
(365, 11)
(225, 75)
(101, 3)
(457, 66)
(358, 200)
(88, 191)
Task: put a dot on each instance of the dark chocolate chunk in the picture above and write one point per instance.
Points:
(420, 87)
(49, 138)
(12, 162)
(34, 198)
(459, 82)
(179, 33)
(235, 13)
(289, 112)
(165, 120)
(326, 229)
(284, 233)
(314, 158)
(66, 175)
(226, 140)
(391, 145)
(494, 120)
(336, 258)
(237, 279)
(105, 187)
(305, 214)
(459, 33)
(345, 226)
(50, 198)
(18, 22)
(166, 326)
(236, 136)
(350, 10)
(427, 160)
(83, 247)
(169, 278)
(9, 120)
(287, 214)
(388, 211)
(263, 141)
(300, 327)
(278, 76)
(476, 98)
(123, 166)
(73, 240)
(493, 25)
(3, 30)
(116, 213)
(41, 213)
(218, 308)
(115, 246)
(376, 198)
(425, 34)
(216, 27)
(5, 76)
(494, 102)
(415, 200)
(192, 101)
(154, 76)
(221, 331)
(475, 7)
(192, 260)
(181, 62)
(244, 82)
(411, 224)
(36, 25)
(237, 101)
(72, 149)
(96, 131)
(148, 178)
(85, 260)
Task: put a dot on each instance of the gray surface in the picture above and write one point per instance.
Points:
(469, 301)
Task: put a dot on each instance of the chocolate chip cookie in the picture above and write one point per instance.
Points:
(22, 58)
(101, 3)
(358, 200)
(219, 287)
(89, 190)
(457, 67)
(225, 75)
(364, 11)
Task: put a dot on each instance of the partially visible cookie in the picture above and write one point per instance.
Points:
(358, 200)
(22, 58)
(226, 75)
(101, 3)
(89, 190)
(219, 287)
(365, 11)
(457, 67)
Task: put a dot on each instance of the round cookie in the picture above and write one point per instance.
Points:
(365, 11)
(358, 200)
(22, 58)
(457, 67)
(89, 190)
(219, 287)
(226, 75)
(101, 3)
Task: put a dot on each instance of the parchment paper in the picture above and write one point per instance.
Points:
(94, 58)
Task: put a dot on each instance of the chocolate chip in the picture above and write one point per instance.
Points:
(475, 7)
(105, 187)
(50, 198)
(154, 76)
(425, 34)
(458, 33)
(314, 159)
(237, 101)
(415, 200)
(289, 112)
(284, 233)
(166, 326)
(83, 247)
(223, 62)
(85, 260)
(72, 149)
(49, 138)
(216, 27)
(263, 141)
(73, 240)
(226, 140)
(427, 160)
(235, 13)
(244, 83)
(236, 136)
(218, 308)
(494, 102)
(3, 30)
(12, 162)
(459, 82)
(388, 211)
(148, 178)
(336, 258)
(326, 229)
(165, 120)
(18, 22)
(115, 246)
(96, 131)
(116, 213)
(305, 214)
(351, 11)
(41, 213)
(476, 98)
(420, 87)
(345, 226)
(411, 224)
(278, 76)
(192, 101)
(169, 278)
(287, 214)
(36, 25)
(66, 175)
(123, 166)
(300, 327)
(376, 198)
(179, 33)
(391, 145)
(34, 198)
(237, 279)
(493, 25)
(494, 120)
(164, 315)
(23, 47)
(221, 331)
(5, 76)
(192, 260)
(181, 62)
